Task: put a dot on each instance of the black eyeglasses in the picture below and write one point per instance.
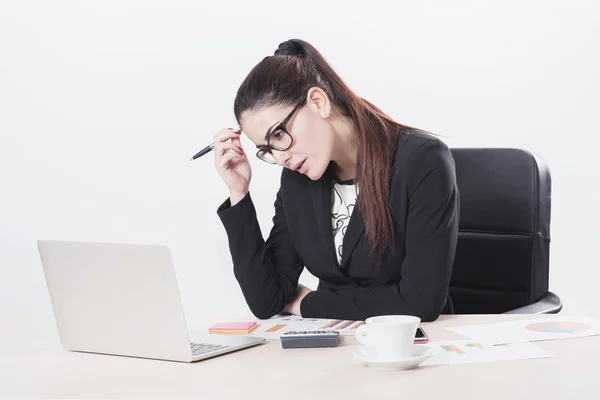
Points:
(278, 139)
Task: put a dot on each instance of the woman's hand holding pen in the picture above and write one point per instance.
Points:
(232, 164)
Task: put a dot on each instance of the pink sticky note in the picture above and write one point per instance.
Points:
(233, 326)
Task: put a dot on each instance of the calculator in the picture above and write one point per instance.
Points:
(309, 339)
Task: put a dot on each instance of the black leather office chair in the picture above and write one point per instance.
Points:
(502, 256)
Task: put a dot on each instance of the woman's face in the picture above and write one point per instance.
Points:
(309, 128)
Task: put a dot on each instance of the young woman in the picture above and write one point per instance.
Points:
(368, 205)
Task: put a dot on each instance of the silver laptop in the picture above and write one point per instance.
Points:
(123, 299)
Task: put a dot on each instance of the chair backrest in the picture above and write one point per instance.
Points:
(502, 255)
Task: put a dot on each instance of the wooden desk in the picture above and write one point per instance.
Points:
(32, 364)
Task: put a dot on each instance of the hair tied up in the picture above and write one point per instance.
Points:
(289, 48)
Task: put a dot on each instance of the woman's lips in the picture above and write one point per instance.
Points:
(298, 166)
(302, 169)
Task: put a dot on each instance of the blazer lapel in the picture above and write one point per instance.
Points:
(321, 199)
(356, 228)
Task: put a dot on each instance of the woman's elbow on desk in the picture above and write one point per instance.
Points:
(432, 311)
(261, 306)
(430, 317)
(261, 314)
(262, 311)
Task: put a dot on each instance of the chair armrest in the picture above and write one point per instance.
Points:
(548, 304)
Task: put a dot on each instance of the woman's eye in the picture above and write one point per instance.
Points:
(277, 135)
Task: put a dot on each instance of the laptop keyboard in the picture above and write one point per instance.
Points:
(199, 349)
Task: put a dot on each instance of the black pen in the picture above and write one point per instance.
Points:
(202, 152)
(210, 147)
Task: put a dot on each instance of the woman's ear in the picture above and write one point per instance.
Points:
(318, 101)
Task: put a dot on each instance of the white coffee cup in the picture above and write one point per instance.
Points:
(390, 336)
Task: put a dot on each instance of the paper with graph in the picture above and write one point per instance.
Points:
(274, 327)
(530, 330)
(470, 351)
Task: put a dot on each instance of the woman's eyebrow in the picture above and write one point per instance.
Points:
(271, 127)
(260, 146)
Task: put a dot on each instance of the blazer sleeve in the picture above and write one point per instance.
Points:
(431, 236)
(267, 272)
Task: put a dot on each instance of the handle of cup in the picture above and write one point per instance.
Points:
(362, 335)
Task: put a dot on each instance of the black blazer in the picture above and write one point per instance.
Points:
(412, 279)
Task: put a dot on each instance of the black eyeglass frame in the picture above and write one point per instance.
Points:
(279, 127)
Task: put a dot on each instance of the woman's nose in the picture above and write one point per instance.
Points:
(282, 157)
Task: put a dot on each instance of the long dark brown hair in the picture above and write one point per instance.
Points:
(285, 78)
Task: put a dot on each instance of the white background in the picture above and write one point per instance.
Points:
(102, 104)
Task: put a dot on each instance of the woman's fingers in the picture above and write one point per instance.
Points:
(231, 161)
(229, 157)
(223, 148)
(227, 139)
(224, 135)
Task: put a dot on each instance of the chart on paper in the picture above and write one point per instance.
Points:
(529, 330)
(274, 327)
(467, 352)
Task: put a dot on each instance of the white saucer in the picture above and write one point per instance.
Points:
(420, 352)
